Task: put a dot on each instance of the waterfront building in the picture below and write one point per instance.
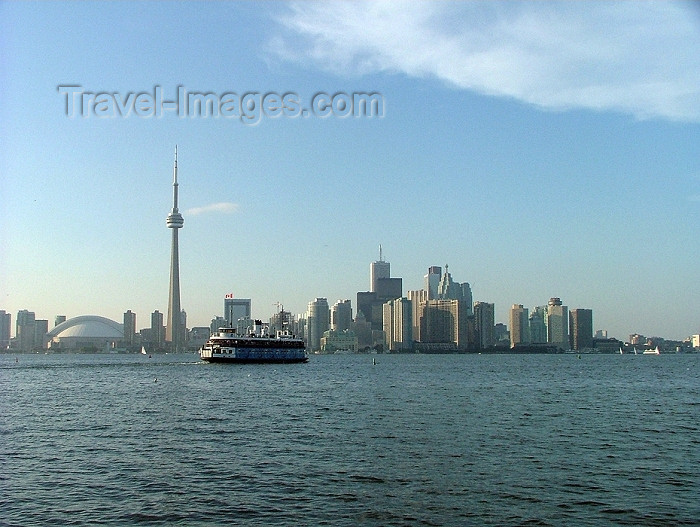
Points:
(235, 309)
(25, 330)
(157, 334)
(484, 322)
(519, 325)
(174, 331)
(538, 329)
(557, 322)
(41, 328)
(129, 328)
(432, 280)
(282, 321)
(86, 332)
(334, 341)
(5, 329)
(341, 315)
(317, 322)
(398, 325)
(417, 297)
(581, 328)
(445, 322)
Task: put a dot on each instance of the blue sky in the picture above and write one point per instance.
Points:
(539, 149)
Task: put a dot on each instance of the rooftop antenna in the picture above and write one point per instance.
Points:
(380, 253)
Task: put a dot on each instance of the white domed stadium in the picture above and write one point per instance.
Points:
(86, 331)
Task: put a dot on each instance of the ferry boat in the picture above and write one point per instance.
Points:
(258, 346)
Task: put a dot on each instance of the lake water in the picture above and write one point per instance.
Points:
(413, 440)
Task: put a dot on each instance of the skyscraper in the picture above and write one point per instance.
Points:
(341, 315)
(484, 319)
(236, 309)
(378, 270)
(398, 324)
(432, 280)
(5, 327)
(129, 327)
(519, 325)
(318, 317)
(175, 221)
(581, 328)
(557, 323)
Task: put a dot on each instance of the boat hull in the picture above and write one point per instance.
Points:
(260, 360)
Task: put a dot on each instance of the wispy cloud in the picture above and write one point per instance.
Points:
(216, 208)
(634, 57)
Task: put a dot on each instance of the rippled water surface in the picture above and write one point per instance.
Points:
(413, 440)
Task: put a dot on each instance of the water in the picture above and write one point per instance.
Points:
(413, 440)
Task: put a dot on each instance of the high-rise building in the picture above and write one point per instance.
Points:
(417, 298)
(173, 330)
(157, 333)
(538, 329)
(60, 319)
(398, 325)
(341, 315)
(378, 270)
(519, 325)
(484, 320)
(5, 329)
(432, 280)
(383, 289)
(41, 328)
(235, 309)
(448, 289)
(317, 321)
(445, 322)
(557, 322)
(581, 328)
(25, 330)
(129, 327)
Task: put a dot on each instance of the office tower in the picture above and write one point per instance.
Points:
(317, 321)
(282, 321)
(174, 221)
(377, 271)
(398, 325)
(5, 328)
(447, 288)
(383, 289)
(41, 328)
(129, 328)
(538, 329)
(341, 315)
(235, 309)
(417, 297)
(25, 330)
(60, 319)
(484, 320)
(445, 321)
(581, 328)
(157, 330)
(432, 280)
(557, 322)
(519, 325)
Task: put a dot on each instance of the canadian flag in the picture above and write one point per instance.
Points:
(230, 295)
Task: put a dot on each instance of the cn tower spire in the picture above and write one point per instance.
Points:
(174, 332)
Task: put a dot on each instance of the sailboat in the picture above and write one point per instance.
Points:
(143, 350)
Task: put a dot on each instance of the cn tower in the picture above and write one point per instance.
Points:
(173, 331)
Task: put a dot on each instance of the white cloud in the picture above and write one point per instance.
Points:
(641, 58)
(218, 208)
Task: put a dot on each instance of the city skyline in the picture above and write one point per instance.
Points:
(520, 143)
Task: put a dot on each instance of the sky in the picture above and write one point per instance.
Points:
(540, 149)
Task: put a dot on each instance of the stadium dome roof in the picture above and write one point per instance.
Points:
(88, 326)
